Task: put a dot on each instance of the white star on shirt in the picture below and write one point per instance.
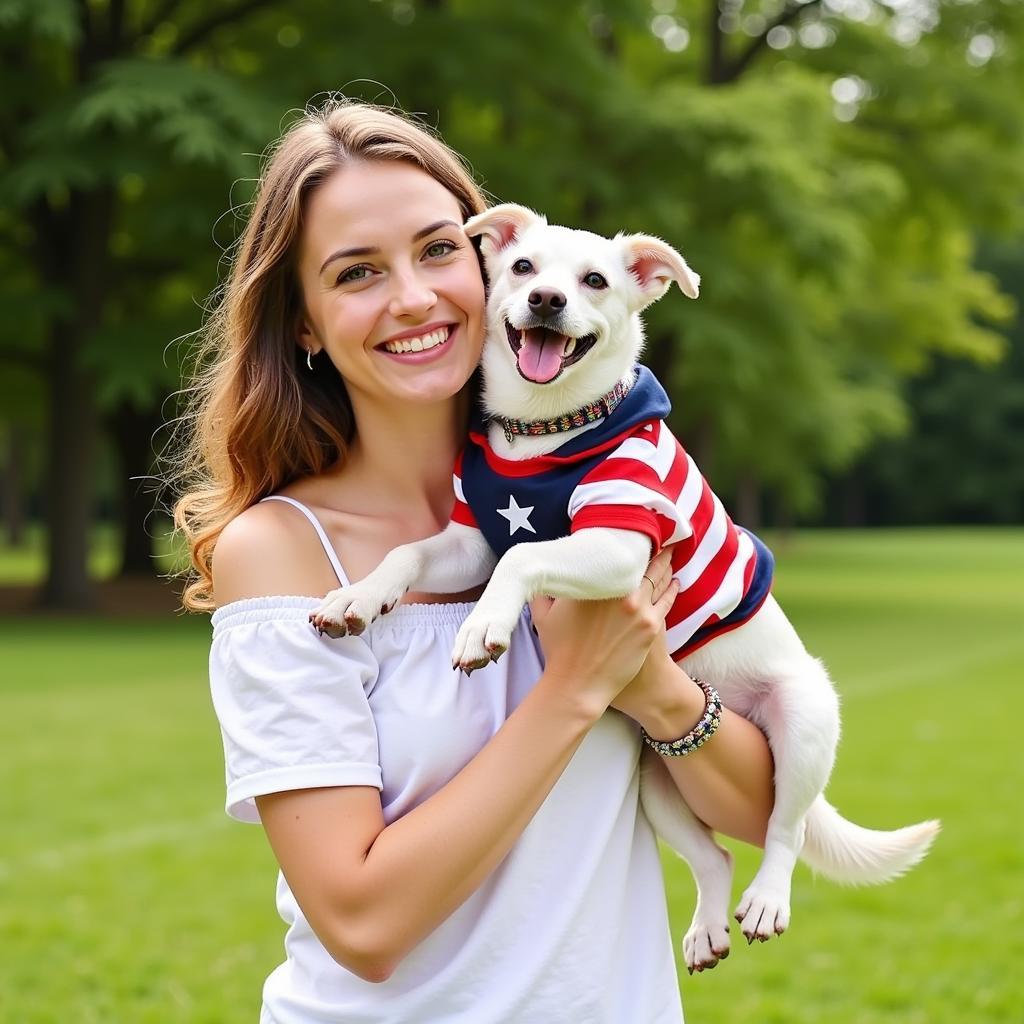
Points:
(518, 518)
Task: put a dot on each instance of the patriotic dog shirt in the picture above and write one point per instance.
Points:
(627, 473)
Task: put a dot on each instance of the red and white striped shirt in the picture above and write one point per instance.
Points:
(637, 478)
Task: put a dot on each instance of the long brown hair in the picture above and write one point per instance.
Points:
(257, 419)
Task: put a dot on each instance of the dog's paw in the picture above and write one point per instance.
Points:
(762, 913)
(480, 641)
(349, 610)
(705, 944)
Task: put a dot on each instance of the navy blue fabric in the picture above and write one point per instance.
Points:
(548, 490)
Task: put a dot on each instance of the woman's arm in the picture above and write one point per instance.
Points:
(727, 783)
(372, 891)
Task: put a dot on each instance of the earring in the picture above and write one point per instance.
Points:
(309, 358)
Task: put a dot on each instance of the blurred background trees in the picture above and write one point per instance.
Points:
(847, 176)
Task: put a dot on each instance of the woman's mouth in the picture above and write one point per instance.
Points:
(420, 348)
(541, 354)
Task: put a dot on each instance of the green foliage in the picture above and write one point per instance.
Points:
(960, 461)
(835, 237)
(56, 20)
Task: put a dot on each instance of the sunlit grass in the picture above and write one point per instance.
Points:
(126, 896)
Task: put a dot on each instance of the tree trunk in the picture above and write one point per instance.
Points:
(748, 501)
(854, 509)
(13, 497)
(73, 243)
(132, 434)
(72, 436)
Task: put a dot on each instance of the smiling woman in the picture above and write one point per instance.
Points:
(472, 848)
(392, 292)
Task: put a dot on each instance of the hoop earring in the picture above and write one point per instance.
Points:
(309, 358)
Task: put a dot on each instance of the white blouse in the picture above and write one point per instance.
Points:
(571, 928)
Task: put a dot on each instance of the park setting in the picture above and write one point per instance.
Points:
(846, 176)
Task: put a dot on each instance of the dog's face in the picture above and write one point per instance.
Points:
(563, 309)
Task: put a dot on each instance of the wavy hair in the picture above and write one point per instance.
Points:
(256, 419)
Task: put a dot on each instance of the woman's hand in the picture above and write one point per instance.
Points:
(661, 697)
(594, 648)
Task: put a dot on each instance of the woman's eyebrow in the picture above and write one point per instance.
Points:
(368, 250)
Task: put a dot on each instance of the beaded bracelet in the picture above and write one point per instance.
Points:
(699, 734)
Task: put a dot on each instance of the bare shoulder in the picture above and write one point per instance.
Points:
(269, 549)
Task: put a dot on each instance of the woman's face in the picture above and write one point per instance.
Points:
(391, 285)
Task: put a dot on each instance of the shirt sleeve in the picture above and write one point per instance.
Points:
(637, 487)
(462, 512)
(292, 705)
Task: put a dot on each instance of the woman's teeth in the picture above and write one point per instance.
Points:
(420, 344)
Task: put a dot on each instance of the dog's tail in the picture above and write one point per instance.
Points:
(853, 855)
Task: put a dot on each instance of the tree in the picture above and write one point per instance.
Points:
(104, 107)
(809, 160)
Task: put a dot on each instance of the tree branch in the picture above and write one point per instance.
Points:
(716, 69)
(115, 24)
(85, 54)
(158, 17)
(199, 31)
(758, 43)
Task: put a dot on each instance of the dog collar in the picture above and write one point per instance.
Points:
(580, 418)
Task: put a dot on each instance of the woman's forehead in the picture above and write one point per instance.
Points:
(370, 204)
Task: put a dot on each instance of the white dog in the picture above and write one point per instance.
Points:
(577, 461)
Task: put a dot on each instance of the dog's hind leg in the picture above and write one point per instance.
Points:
(799, 713)
(707, 940)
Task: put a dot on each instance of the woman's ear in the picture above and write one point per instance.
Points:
(654, 265)
(305, 335)
(501, 225)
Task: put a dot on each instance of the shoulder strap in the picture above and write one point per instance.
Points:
(320, 532)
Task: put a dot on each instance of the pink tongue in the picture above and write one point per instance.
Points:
(540, 358)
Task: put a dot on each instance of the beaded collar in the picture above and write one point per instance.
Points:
(580, 418)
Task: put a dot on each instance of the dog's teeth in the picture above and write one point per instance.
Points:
(569, 348)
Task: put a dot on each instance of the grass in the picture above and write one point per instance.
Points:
(127, 896)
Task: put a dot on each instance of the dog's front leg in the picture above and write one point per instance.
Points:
(451, 561)
(588, 565)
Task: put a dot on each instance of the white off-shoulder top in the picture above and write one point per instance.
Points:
(571, 928)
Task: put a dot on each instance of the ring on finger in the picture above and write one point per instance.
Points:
(654, 587)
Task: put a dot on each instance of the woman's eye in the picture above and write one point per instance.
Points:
(437, 249)
(359, 273)
(595, 280)
(522, 267)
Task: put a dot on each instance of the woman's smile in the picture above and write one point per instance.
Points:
(420, 345)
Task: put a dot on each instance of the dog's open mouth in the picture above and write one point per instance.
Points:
(542, 354)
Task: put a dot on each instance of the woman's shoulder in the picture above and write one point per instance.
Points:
(269, 549)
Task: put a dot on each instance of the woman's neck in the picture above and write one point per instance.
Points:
(402, 458)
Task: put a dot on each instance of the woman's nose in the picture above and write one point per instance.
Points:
(410, 295)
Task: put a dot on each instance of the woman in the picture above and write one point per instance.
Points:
(451, 849)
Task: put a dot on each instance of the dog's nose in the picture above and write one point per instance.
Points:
(546, 302)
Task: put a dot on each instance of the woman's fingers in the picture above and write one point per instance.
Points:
(667, 598)
(659, 575)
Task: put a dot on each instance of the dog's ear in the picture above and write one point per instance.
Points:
(654, 265)
(501, 225)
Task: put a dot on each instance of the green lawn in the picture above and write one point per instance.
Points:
(127, 896)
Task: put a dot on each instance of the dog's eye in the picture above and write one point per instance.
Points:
(522, 267)
(595, 280)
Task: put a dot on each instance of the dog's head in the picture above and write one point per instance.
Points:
(564, 307)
